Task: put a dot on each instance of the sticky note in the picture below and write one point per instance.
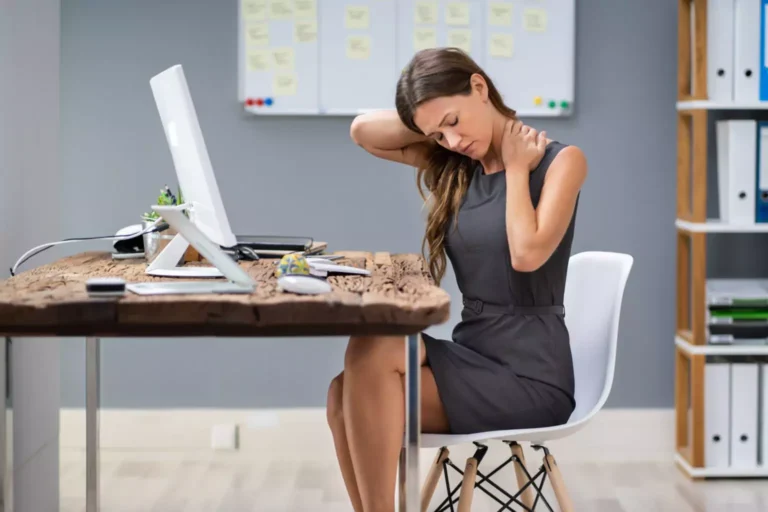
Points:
(284, 84)
(500, 45)
(283, 58)
(280, 9)
(424, 38)
(305, 9)
(425, 13)
(457, 13)
(500, 14)
(254, 10)
(259, 59)
(460, 38)
(358, 47)
(305, 31)
(257, 34)
(535, 20)
(357, 16)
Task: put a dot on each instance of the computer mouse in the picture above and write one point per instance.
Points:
(126, 243)
(303, 284)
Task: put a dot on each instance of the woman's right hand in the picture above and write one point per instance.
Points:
(384, 135)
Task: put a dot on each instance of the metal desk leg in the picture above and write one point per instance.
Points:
(92, 384)
(4, 380)
(412, 423)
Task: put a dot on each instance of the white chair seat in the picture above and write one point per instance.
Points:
(533, 435)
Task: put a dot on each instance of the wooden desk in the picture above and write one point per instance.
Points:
(399, 298)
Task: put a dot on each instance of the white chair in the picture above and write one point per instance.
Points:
(593, 295)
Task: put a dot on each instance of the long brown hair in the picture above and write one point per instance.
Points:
(433, 73)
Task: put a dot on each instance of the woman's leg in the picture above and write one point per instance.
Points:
(373, 405)
(338, 430)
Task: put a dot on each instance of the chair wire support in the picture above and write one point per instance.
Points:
(482, 481)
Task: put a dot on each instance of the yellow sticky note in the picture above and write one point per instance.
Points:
(257, 34)
(280, 9)
(457, 13)
(254, 10)
(425, 13)
(305, 31)
(283, 58)
(501, 45)
(460, 38)
(424, 38)
(357, 16)
(500, 14)
(535, 20)
(259, 59)
(284, 84)
(358, 47)
(305, 9)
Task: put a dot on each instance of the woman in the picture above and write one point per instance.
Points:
(502, 207)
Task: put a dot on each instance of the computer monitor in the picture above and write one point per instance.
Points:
(194, 172)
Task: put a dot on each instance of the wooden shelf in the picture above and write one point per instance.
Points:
(721, 350)
(734, 472)
(692, 226)
(721, 105)
(716, 226)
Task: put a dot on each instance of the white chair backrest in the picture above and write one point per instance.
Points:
(593, 294)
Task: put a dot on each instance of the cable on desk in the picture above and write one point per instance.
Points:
(158, 225)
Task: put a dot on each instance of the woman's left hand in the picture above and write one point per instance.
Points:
(522, 147)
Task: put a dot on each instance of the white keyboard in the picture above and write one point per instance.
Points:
(186, 272)
(187, 288)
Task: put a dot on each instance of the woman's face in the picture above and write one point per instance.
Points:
(461, 123)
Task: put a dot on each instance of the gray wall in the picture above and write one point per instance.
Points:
(114, 158)
(29, 185)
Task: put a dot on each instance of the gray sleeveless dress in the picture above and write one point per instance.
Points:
(509, 363)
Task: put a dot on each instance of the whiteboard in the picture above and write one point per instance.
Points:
(343, 57)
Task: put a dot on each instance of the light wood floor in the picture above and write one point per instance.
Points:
(281, 480)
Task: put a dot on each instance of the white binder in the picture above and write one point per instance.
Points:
(717, 438)
(744, 415)
(736, 169)
(746, 51)
(764, 415)
(720, 43)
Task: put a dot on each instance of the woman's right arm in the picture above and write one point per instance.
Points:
(382, 134)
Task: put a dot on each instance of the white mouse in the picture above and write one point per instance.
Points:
(302, 284)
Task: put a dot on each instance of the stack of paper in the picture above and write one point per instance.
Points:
(737, 311)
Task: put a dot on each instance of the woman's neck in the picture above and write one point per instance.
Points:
(493, 161)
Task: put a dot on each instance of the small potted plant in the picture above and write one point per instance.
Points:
(153, 246)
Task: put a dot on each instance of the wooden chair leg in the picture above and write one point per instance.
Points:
(558, 484)
(468, 485)
(527, 496)
(433, 477)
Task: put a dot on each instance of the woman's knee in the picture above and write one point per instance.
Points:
(375, 353)
(334, 409)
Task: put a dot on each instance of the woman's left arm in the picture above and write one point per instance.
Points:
(534, 234)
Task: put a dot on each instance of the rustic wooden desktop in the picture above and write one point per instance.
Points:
(398, 298)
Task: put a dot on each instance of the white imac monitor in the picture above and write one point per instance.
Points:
(194, 172)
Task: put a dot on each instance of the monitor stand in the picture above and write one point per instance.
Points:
(166, 264)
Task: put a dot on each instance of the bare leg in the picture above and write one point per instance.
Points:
(374, 414)
(336, 422)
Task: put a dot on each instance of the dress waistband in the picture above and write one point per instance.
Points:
(478, 306)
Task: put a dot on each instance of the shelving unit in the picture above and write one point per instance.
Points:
(691, 348)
